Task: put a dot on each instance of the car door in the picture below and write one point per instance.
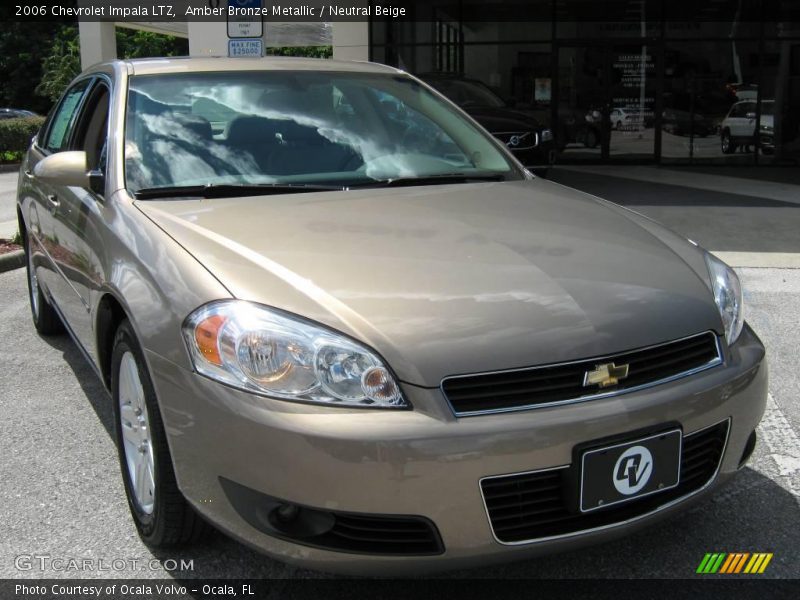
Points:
(43, 207)
(740, 125)
(79, 220)
(749, 121)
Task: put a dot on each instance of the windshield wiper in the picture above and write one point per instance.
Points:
(432, 180)
(223, 190)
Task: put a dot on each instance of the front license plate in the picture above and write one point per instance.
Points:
(630, 470)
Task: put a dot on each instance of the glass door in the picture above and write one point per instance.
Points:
(632, 95)
(582, 104)
(606, 103)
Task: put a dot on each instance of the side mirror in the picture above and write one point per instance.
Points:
(63, 168)
(70, 169)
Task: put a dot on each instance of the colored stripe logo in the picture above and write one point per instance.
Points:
(734, 562)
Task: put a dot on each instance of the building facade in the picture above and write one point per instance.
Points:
(639, 81)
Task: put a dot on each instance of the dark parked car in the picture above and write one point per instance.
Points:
(529, 140)
(16, 113)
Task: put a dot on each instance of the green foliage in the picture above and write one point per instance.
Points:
(133, 43)
(17, 239)
(23, 46)
(61, 65)
(16, 134)
(10, 157)
(303, 51)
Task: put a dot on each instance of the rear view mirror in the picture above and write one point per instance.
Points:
(63, 168)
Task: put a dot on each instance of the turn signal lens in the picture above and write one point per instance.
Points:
(206, 334)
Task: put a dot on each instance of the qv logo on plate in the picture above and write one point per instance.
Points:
(633, 470)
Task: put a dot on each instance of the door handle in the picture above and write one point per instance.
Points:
(54, 202)
(29, 174)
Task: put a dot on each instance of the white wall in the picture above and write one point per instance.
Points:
(98, 42)
(351, 40)
(208, 39)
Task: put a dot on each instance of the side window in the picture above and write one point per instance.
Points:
(64, 118)
(92, 127)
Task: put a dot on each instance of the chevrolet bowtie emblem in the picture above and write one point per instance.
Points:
(605, 375)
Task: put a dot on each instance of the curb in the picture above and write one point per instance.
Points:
(12, 260)
(9, 168)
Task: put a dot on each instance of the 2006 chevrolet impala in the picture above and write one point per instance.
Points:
(341, 323)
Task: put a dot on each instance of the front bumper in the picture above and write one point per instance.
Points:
(540, 157)
(425, 462)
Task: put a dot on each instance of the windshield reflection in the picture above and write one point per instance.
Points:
(296, 127)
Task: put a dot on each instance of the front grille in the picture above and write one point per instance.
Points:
(532, 506)
(518, 140)
(536, 386)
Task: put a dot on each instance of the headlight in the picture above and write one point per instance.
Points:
(261, 350)
(547, 135)
(728, 296)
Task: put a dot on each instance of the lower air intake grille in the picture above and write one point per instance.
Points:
(382, 535)
(356, 533)
(538, 386)
(532, 506)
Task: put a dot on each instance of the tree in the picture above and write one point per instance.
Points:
(23, 47)
(133, 43)
(61, 65)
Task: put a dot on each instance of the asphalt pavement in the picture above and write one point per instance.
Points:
(61, 495)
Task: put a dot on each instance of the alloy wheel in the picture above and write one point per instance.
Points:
(136, 439)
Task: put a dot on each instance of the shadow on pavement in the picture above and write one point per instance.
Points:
(716, 220)
(91, 385)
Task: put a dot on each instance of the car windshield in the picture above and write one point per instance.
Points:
(312, 130)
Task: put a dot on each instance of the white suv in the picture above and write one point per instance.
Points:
(739, 126)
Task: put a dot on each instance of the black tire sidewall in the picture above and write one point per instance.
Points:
(47, 322)
(150, 526)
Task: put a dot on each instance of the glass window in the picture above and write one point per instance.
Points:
(92, 130)
(779, 124)
(297, 127)
(64, 118)
(710, 86)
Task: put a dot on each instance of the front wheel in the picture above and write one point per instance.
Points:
(160, 512)
(45, 317)
(726, 144)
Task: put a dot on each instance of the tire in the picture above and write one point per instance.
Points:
(161, 514)
(726, 144)
(619, 125)
(45, 317)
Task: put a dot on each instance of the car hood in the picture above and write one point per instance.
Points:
(453, 279)
(503, 120)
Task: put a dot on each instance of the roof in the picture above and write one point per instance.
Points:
(150, 66)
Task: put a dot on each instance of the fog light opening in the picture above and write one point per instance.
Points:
(300, 521)
(286, 513)
(748, 450)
